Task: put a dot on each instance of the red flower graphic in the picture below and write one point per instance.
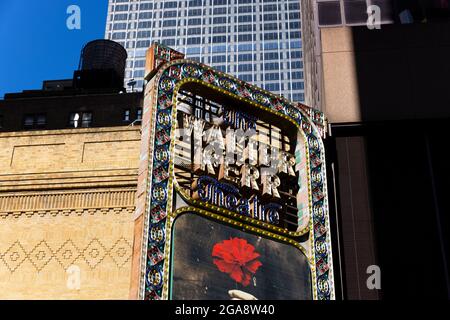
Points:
(238, 258)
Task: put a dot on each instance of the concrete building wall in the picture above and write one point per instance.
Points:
(312, 55)
(67, 199)
(340, 102)
(386, 98)
(399, 72)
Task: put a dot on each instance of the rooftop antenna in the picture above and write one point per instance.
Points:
(131, 84)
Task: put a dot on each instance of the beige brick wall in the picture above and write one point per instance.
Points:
(67, 199)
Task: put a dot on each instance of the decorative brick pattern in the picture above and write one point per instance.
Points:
(66, 254)
(14, 256)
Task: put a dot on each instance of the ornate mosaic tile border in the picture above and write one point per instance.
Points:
(158, 219)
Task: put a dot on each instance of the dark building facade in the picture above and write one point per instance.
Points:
(94, 97)
(385, 94)
(66, 109)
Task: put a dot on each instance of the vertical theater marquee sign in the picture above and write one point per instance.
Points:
(233, 183)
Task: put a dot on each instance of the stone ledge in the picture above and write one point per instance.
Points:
(68, 131)
(65, 212)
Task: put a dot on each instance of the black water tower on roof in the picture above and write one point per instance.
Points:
(102, 65)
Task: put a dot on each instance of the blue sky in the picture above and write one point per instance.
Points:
(35, 43)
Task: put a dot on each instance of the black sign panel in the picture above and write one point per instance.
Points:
(212, 261)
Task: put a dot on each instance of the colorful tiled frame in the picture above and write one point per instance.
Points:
(159, 216)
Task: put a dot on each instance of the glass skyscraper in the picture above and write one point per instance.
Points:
(259, 41)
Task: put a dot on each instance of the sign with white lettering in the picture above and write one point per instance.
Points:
(242, 163)
(232, 187)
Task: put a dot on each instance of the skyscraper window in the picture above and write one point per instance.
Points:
(248, 38)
